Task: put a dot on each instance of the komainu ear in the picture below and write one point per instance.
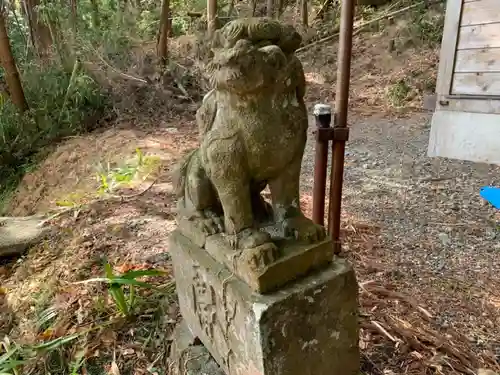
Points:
(274, 56)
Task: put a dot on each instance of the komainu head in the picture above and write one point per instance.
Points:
(251, 55)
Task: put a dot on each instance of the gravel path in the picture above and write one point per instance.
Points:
(425, 206)
(436, 231)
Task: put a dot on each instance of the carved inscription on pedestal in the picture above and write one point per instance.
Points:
(204, 304)
(214, 315)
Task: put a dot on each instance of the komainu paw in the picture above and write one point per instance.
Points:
(261, 256)
(303, 229)
(248, 238)
(208, 222)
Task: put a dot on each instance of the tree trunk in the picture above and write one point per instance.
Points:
(324, 8)
(73, 13)
(254, 7)
(211, 16)
(20, 26)
(27, 14)
(164, 32)
(95, 13)
(303, 13)
(281, 5)
(9, 65)
(39, 31)
(270, 8)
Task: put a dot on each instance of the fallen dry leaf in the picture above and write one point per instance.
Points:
(128, 351)
(114, 370)
(483, 371)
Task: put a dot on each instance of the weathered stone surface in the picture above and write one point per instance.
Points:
(293, 260)
(309, 327)
(194, 230)
(188, 356)
(17, 234)
(253, 130)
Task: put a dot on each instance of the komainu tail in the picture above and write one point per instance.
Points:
(179, 175)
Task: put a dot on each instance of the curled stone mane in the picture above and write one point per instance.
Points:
(258, 30)
(239, 47)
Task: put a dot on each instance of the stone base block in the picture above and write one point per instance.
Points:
(254, 268)
(265, 268)
(188, 356)
(309, 327)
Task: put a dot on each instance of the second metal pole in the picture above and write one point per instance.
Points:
(341, 106)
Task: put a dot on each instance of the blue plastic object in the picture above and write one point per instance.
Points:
(492, 195)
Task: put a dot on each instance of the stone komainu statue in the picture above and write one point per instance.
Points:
(253, 128)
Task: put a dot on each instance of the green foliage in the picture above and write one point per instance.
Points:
(14, 357)
(398, 92)
(77, 363)
(18, 37)
(427, 27)
(110, 178)
(61, 101)
(11, 359)
(180, 26)
(424, 28)
(121, 287)
(59, 105)
(148, 23)
(62, 98)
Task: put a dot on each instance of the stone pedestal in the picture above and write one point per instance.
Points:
(291, 259)
(308, 327)
(188, 356)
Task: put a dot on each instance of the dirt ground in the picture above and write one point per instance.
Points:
(425, 246)
(436, 242)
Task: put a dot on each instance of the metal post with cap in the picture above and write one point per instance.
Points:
(323, 116)
(338, 134)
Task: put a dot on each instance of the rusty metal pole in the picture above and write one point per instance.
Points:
(341, 109)
(323, 115)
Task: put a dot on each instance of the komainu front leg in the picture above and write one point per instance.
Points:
(197, 198)
(226, 162)
(286, 205)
